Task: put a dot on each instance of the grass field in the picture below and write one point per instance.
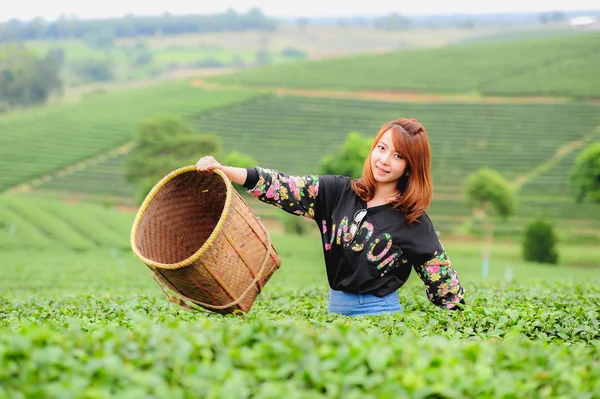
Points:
(325, 41)
(166, 55)
(124, 59)
(315, 41)
(555, 66)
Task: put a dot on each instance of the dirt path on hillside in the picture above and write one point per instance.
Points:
(380, 95)
(561, 152)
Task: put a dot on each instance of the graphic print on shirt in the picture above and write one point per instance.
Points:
(364, 242)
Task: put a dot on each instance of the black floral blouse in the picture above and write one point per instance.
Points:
(372, 255)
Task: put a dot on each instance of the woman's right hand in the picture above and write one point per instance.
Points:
(207, 164)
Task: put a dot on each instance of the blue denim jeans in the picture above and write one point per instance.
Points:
(363, 304)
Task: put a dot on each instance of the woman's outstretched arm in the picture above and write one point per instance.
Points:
(236, 175)
(294, 194)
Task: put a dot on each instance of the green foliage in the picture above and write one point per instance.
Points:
(292, 52)
(93, 70)
(153, 350)
(586, 174)
(349, 161)
(58, 55)
(163, 144)
(96, 325)
(142, 58)
(25, 78)
(296, 225)
(539, 243)
(239, 160)
(487, 190)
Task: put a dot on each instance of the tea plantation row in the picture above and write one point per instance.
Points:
(85, 319)
(556, 66)
(294, 133)
(510, 342)
(45, 140)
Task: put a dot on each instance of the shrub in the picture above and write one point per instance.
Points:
(539, 243)
(291, 52)
(294, 224)
(585, 176)
(350, 159)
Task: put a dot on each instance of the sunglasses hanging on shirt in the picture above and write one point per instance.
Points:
(359, 216)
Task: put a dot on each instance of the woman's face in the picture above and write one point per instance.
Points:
(387, 165)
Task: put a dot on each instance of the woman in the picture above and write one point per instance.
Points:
(374, 229)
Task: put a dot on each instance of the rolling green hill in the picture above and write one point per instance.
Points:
(80, 315)
(533, 145)
(45, 140)
(557, 66)
(82, 147)
(293, 133)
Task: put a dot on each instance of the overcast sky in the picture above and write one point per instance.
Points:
(51, 9)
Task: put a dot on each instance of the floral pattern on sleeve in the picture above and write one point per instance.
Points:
(441, 281)
(294, 194)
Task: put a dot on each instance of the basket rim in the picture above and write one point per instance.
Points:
(207, 244)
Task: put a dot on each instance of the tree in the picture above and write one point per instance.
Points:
(292, 52)
(393, 21)
(349, 161)
(58, 55)
(94, 70)
(585, 176)
(488, 194)
(101, 39)
(163, 144)
(25, 78)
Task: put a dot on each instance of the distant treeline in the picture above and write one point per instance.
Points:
(131, 26)
(396, 20)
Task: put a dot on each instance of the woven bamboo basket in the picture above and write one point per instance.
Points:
(203, 243)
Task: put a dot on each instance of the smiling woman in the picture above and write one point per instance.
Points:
(374, 230)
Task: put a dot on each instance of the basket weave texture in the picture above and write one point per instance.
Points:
(202, 242)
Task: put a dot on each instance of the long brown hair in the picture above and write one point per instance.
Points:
(416, 186)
